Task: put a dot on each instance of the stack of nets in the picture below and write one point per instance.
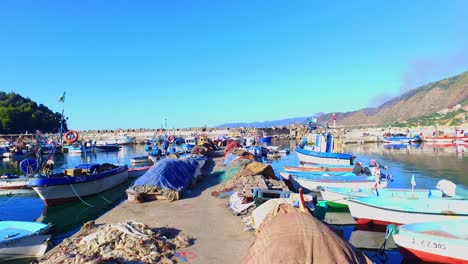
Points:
(120, 243)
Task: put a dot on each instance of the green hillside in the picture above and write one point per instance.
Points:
(19, 114)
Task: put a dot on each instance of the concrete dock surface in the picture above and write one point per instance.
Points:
(218, 234)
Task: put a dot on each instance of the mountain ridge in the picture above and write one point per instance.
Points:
(419, 102)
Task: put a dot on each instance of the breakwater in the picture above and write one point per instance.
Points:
(144, 133)
(347, 135)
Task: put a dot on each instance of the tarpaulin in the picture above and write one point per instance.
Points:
(172, 174)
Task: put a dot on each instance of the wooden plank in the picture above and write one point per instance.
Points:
(261, 183)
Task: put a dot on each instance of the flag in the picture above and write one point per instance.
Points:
(62, 98)
(413, 182)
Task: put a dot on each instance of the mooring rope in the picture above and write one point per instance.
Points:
(391, 229)
(71, 185)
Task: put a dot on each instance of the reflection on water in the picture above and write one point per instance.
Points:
(69, 216)
(428, 162)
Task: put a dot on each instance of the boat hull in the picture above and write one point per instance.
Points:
(430, 241)
(365, 213)
(324, 168)
(59, 194)
(25, 247)
(340, 196)
(22, 240)
(316, 185)
(136, 172)
(15, 186)
(307, 156)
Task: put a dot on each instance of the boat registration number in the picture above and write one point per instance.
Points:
(80, 179)
(430, 244)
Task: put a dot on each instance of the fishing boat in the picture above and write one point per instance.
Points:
(23, 239)
(438, 241)
(319, 168)
(339, 197)
(141, 159)
(460, 136)
(107, 147)
(79, 148)
(314, 182)
(82, 181)
(322, 152)
(122, 139)
(18, 184)
(135, 172)
(406, 210)
(190, 142)
(400, 138)
(12, 185)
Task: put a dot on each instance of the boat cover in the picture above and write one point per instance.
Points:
(172, 174)
(289, 236)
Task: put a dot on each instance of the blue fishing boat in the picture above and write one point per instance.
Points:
(82, 181)
(322, 152)
(23, 239)
(401, 138)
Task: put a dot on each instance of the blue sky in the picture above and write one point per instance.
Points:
(133, 64)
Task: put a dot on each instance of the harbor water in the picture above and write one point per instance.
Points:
(428, 163)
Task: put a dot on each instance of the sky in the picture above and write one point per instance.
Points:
(142, 64)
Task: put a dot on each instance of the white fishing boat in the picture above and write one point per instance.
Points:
(315, 182)
(13, 185)
(323, 151)
(82, 181)
(141, 159)
(122, 139)
(22, 239)
(18, 184)
(440, 241)
(79, 148)
(406, 210)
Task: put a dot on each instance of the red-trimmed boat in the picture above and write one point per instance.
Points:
(440, 241)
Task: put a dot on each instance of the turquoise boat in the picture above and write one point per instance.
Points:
(339, 197)
(20, 239)
(406, 210)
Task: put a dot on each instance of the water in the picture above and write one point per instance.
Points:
(429, 164)
(68, 218)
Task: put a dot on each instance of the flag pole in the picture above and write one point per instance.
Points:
(62, 118)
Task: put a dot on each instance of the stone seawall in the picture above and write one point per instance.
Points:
(347, 135)
(142, 134)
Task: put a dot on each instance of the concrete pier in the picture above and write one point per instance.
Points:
(219, 236)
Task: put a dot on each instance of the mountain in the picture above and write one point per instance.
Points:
(415, 104)
(422, 106)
